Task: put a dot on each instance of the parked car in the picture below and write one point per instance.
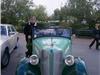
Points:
(8, 41)
(84, 32)
(51, 55)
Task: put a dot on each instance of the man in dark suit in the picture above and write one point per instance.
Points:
(28, 34)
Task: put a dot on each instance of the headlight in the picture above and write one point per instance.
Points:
(34, 60)
(69, 60)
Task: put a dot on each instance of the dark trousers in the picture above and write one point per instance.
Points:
(29, 46)
(97, 43)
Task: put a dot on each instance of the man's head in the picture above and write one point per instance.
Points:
(32, 19)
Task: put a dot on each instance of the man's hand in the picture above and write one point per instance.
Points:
(29, 37)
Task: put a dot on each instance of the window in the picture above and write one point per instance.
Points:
(9, 29)
(13, 29)
(3, 30)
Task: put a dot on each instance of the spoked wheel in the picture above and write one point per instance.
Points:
(5, 59)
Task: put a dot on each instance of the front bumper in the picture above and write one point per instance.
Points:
(25, 68)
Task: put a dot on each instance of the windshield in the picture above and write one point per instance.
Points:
(52, 32)
(3, 30)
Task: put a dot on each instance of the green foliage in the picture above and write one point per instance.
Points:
(40, 13)
(15, 11)
(42, 24)
(97, 15)
(18, 12)
(80, 9)
(56, 15)
(79, 26)
(75, 11)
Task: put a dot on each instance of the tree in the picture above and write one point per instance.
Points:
(97, 9)
(40, 13)
(15, 11)
(56, 15)
(77, 11)
(81, 9)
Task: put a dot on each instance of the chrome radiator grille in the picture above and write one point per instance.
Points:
(51, 62)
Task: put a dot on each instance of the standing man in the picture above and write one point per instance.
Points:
(96, 36)
(28, 34)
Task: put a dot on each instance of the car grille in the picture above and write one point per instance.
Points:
(51, 62)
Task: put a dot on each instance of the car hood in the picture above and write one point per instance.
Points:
(54, 43)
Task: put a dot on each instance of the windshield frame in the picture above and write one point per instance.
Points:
(68, 37)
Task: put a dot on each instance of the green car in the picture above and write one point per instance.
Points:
(84, 32)
(51, 55)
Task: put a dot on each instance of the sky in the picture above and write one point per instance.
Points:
(50, 5)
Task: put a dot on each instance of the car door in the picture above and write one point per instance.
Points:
(15, 35)
(11, 38)
(3, 39)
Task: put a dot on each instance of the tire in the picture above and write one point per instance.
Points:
(5, 59)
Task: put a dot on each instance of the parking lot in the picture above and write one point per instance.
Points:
(79, 48)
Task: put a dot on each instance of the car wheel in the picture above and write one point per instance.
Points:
(5, 59)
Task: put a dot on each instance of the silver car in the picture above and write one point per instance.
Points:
(8, 41)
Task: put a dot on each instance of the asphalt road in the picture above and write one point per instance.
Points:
(79, 48)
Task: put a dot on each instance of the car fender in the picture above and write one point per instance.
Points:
(80, 66)
(3, 47)
(25, 68)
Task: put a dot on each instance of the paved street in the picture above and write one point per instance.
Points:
(91, 56)
(79, 48)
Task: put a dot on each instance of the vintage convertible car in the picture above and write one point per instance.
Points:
(51, 55)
